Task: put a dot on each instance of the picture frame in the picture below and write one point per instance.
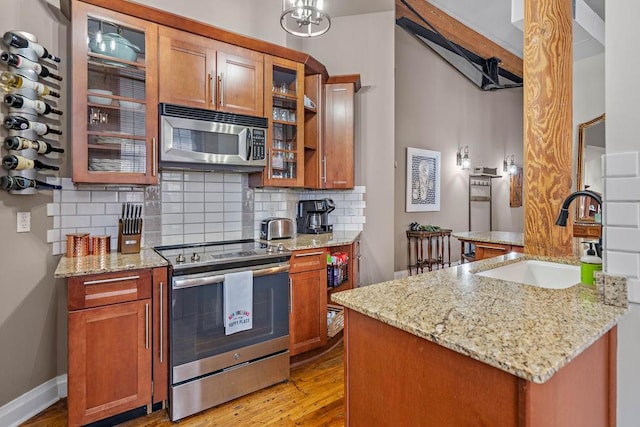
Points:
(423, 180)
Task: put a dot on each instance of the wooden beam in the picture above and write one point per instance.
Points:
(548, 124)
(459, 33)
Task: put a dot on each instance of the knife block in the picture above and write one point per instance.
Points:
(128, 243)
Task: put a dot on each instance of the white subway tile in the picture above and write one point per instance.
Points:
(172, 229)
(172, 219)
(53, 209)
(104, 221)
(214, 187)
(53, 180)
(214, 227)
(172, 208)
(232, 235)
(232, 187)
(172, 186)
(214, 197)
(57, 249)
(214, 237)
(352, 227)
(90, 208)
(621, 164)
(339, 227)
(194, 238)
(194, 228)
(53, 236)
(622, 239)
(194, 176)
(622, 189)
(171, 176)
(113, 208)
(232, 177)
(233, 197)
(67, 184)
(104, 196)
(622, 214)
(623, 263)
(67, 208)
(194, 197)
(193, 207)
(67, 230)
(358, 219)
(131, 196)
(56, 222)
(76, 196)
(214, 177)
(113, 232)
(191, 218)
(57, 196)
(76, 221)
(172, 197)
(213, 216)
(172, 240)
(233, 207)
(193, 186)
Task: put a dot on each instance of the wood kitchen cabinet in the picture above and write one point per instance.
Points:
(200, 72)
(114, 351)
(353, 251)
(308, 300)
(115, 102)
(488, 250)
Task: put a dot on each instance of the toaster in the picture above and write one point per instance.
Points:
(276, 228)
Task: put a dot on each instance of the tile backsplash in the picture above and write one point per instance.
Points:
(189, 206)
(622, 218)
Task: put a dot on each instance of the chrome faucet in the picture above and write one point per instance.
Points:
(564, 212)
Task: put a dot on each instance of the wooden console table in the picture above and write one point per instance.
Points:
(435, 255)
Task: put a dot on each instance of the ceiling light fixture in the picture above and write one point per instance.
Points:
(304, 18)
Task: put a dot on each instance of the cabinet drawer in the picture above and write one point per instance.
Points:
(583, 230)
(488, 250)
(109, 288)
(311, 259)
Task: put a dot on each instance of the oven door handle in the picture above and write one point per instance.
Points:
(218, 278)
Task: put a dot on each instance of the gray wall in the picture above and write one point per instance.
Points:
(30, 299)
(439, 109)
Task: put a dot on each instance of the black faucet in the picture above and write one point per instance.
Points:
(564, 212)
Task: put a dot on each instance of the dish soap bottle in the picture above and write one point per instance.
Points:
(589, 264)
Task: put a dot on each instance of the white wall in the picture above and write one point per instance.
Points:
(622, 217)
(364, 44)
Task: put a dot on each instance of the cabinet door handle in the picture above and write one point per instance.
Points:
(154, 150)
(161, 319)
(115, 279)
(221, 89)
(269, 162)
(290, 295)
(211, 94)
(146, 326)
(308, 254)
(497, 248)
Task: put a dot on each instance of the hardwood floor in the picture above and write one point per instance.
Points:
(314, 396)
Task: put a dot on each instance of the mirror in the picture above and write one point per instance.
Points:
(591, 148)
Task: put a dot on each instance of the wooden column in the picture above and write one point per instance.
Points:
(548, 123)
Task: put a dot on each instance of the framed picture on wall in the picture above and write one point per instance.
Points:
(423, 180)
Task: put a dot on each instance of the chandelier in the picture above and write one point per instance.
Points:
(304, 18)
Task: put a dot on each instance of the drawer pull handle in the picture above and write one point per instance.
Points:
(161, 320)
(309, 254)
(115, 279)
(492, 247)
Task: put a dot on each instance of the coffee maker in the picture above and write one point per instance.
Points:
(313, 216)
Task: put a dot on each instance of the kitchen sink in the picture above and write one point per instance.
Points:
(542, 274)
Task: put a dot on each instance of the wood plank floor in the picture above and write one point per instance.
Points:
(314, 396)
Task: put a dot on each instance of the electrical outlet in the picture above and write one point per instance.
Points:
(24, 222)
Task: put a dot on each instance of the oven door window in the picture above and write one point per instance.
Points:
(197, 328)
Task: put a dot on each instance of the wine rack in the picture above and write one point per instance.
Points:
(29, 102)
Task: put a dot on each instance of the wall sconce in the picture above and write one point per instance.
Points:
(462, 158)
(510, 165)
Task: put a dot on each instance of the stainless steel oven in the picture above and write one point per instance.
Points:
(208, 367)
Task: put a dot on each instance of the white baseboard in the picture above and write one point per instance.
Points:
(33, 402)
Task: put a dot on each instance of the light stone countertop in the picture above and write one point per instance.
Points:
(114, 261)
(527, 331)
(503, 237)
(310, 241)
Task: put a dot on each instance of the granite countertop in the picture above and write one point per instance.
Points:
(310, 241)
(528, 331)
(114, 261)
(504, 237)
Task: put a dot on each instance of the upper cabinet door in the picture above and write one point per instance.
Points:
(115, 97)
(187, 69)
(199, 72)
(240, 80)
(339, 135)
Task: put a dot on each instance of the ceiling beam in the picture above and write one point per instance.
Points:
(459, 33)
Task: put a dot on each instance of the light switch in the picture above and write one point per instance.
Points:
(24, 222)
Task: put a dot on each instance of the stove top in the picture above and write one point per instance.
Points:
(221, 255)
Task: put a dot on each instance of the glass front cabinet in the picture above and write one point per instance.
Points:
(284, 105)
(115, 104)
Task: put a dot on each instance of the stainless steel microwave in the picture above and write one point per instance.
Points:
(194, 138)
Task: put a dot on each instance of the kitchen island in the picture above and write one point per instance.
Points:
(487, 244)
(452, 348)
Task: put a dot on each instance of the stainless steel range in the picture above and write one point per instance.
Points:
(209, 367)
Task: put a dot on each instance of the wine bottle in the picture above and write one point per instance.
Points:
(20, 123)
(11, 162)
(16, 40)
(10, 81)
(20, 183)
(21, 143)
(18, 101)
(19, 61)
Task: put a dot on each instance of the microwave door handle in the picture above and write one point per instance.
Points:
(249, 144)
